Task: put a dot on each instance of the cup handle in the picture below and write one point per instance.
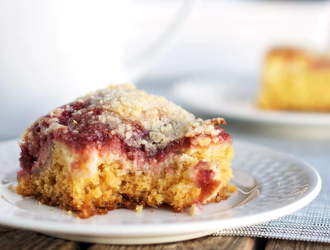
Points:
(141, 62)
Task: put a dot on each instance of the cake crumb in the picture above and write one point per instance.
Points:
(278, 183)
(175, 215)
(12, 188)
(139, 208)
(232, 189)
(292, 170)
(51, 210)
(75, 122)
(196, 209)
(151, 211)
(69, 212)
(39, 203)
(2, 196)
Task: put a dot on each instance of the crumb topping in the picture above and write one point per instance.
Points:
(142, 121)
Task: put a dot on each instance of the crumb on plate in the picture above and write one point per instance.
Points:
(196, 209)
(139, 208)
(12, 188)
(232, 189)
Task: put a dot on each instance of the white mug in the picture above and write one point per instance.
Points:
(52, 51)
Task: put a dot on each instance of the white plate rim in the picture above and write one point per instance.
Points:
(179, 90)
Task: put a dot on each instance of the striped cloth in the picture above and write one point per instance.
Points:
(312, 223)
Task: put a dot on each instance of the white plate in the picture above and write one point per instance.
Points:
(237, 100)
(270, 184)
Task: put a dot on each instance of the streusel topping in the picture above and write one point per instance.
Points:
(143, 121)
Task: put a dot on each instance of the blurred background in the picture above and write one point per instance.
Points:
(211, 40)
(231, 36)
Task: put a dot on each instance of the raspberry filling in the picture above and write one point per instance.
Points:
(79, 128)
(205, 180)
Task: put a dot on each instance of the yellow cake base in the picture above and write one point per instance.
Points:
(295, 80)
(115, 186)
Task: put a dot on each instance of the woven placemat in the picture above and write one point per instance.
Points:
(311, 223)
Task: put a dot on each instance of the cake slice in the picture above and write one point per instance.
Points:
(295, 79)
(120, 147)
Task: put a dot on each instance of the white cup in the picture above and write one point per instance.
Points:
(52, 51)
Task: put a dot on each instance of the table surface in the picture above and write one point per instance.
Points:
(20, 239)
(280, 138)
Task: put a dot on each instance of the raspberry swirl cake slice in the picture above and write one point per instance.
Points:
(120, 147)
